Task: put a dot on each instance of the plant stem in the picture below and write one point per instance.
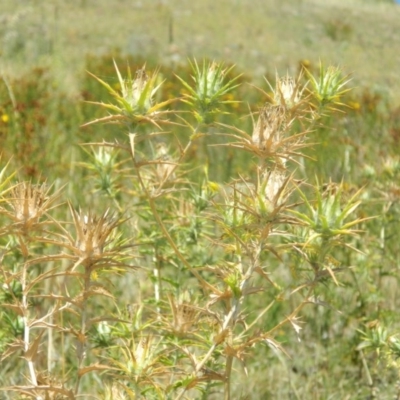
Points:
(157, 281)
(25, 318)
(81, 345)
(25, 306)
(228, 372)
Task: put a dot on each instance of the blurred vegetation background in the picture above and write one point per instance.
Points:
(46, 47)
(361, 35)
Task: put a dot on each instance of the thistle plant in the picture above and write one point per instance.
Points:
(134, 104)
(288, 92)
(209, 88)
(251, 223)
(329, 87)
(26, 205)
(376, 340)
(33, 238)
(224, 267)
(106, 171)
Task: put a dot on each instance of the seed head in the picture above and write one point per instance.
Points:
(138, 87)
(287, 92)
(92, 233)
(184, 316)
(165, 166)
(273, 185)
(270, 127)
(28, 202)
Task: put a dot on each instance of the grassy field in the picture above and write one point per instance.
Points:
(259, 36)
(239, 244)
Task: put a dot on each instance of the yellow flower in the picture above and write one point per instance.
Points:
(354, 105)
(5, 118)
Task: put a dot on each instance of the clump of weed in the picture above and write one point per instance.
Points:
(176, 276)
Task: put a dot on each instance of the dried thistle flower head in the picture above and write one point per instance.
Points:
(143, 352)
(271, 138)
(270, 128)
(165, 167)
(138, 87)
(184, 315)
(28, 203)
(273, 184)
(287, 92)
(92, 233)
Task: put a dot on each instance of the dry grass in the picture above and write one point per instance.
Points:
(257, 35)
